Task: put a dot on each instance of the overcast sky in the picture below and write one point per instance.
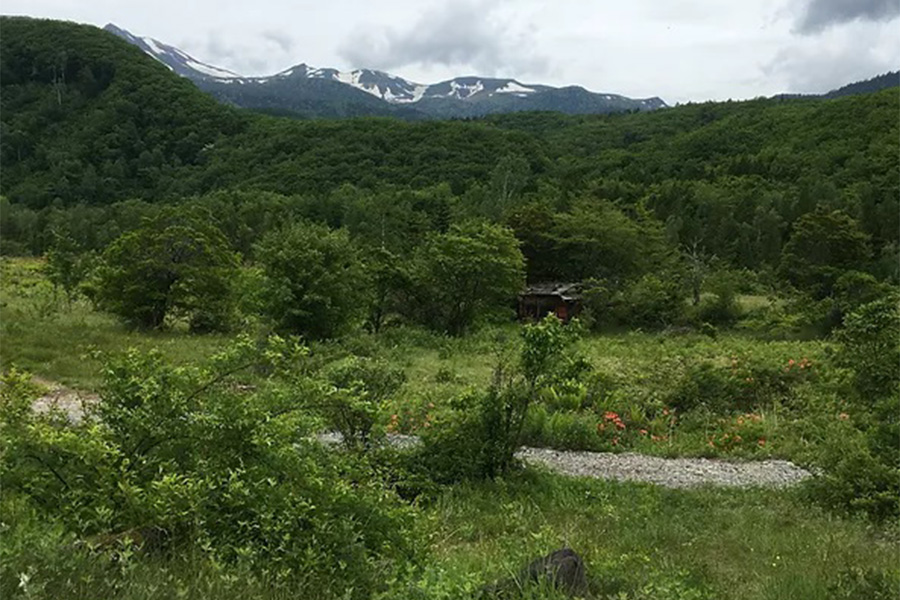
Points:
(680, 50)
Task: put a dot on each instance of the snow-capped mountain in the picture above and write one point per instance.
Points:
(307, 90)
(180, 62)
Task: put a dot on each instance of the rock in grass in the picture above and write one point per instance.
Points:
(562, 569)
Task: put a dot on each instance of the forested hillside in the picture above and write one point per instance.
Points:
(89, 120)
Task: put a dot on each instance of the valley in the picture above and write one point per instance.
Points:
(389, 340)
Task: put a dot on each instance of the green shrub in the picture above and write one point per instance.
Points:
(870, 347)
(856, 480)
(479, 438)
(652, 301)
(718, 309)
(742, 386)
(173, 265)
(823, 246)
(719, 306)
(358, 391)
(202, 460)
(315, 281)
(862, 470)
(68, 265)
(468, 273)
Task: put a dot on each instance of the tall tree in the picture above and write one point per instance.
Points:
(469, 272)
(174, 265)
(824, 245)
(316, 284)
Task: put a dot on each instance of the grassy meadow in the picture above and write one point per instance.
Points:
(639, 541)
(636, 375)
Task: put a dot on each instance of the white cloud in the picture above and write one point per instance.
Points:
(834, 58)
(818, 15)
(476, 34)
(679, 49)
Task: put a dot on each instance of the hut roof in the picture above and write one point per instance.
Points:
(566, 291)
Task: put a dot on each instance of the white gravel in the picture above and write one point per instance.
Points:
(399, 441)
(627, 466)
(668, 472)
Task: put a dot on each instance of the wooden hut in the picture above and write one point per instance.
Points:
(539, 300)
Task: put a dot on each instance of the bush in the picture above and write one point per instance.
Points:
(358, 391)
(315, 282)
(466, 274)
(823, 246)
(651, 301)
(174, 265)
(862, 470)
(192, 460)
(480, 437)
(870, 347)
(742, 386)
(68, 265)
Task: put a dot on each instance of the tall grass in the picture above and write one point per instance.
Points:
(44, 333)
(642, 541)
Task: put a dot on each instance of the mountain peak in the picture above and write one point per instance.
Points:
(470, 95)
(177, 60)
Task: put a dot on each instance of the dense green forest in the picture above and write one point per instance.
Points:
(89, 121)
(226, 286)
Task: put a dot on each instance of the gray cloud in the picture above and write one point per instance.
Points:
(813, 66)
(280, 39)
(244, 56)
(218, 49)
(680, 50)
(818, 15)
(469, 33)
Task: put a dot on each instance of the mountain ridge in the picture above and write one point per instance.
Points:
(863, 86)
(466, 96)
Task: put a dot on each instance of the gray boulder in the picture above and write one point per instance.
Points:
(562, 569)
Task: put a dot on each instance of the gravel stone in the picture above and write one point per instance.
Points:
(668, 472)
(398, 441)
(628, 466)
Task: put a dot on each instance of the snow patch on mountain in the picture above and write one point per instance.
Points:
(390, 88)
(210, 70)
(514, 87)
(463, 91)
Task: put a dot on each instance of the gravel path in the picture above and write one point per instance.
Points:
(71, 402)
(669, 472)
